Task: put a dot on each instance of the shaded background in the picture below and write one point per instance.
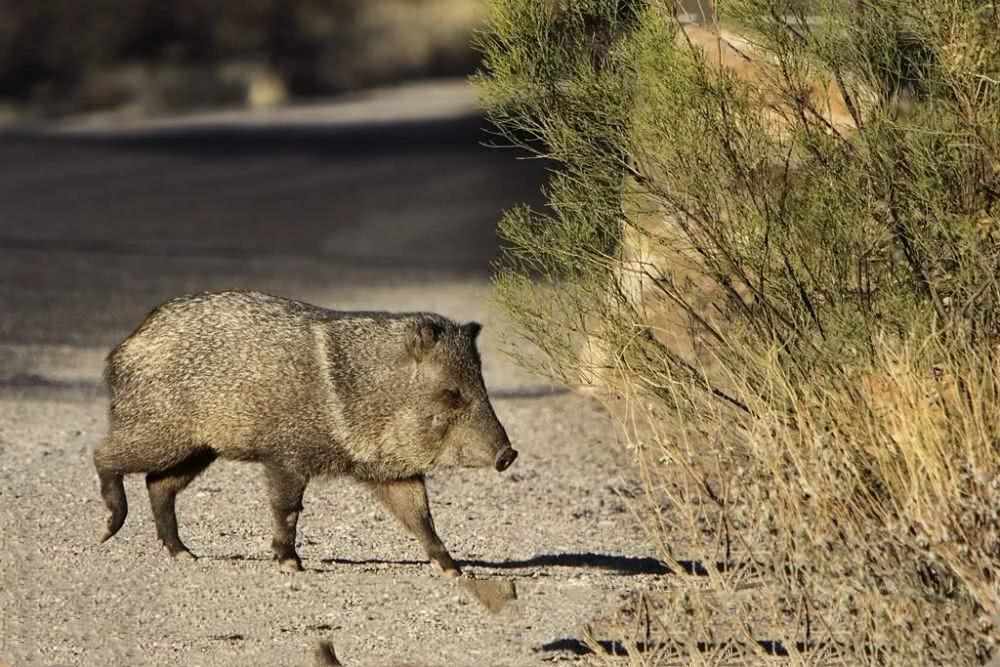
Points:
(157, 147)
(58, 56)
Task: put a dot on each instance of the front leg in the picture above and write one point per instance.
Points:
(407, 500)
(285, 489)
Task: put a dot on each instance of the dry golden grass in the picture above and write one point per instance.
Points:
(869, 518)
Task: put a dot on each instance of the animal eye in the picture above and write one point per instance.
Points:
(452, 398)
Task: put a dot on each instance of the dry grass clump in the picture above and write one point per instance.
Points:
(852, 521)
(773, 254)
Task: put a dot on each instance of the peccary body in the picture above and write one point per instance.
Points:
(306, 391)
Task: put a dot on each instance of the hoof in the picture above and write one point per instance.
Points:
(447, 569)
(291, 565)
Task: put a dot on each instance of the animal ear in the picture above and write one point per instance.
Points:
(472, 329)
(423, 336)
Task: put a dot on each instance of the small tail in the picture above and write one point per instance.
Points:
(113, 492)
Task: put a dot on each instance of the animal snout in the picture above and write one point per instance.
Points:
(505, 458)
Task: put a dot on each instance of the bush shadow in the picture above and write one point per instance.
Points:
(577, 647)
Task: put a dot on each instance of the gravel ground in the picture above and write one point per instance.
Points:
(97, 227)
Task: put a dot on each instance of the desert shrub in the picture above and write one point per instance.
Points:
(771, 247)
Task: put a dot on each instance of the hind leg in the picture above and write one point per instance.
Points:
(110, 471)
(113, 492)
(163, 488)
(286, 489)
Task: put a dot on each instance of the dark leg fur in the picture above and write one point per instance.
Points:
(407, 500)
(163, 488)
(285, 489)
(113, 492)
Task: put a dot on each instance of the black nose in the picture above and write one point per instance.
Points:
(505, 458)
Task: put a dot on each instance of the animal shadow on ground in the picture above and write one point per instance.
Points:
(619, 565)
(614, 564)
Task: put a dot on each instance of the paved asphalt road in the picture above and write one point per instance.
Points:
(388, 202)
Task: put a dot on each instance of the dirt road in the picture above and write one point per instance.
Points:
(374, 205)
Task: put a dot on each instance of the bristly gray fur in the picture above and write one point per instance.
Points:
(382, 397)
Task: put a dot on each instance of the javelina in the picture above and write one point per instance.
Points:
(306, 391)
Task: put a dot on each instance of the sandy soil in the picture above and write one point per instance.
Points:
(97, 226)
